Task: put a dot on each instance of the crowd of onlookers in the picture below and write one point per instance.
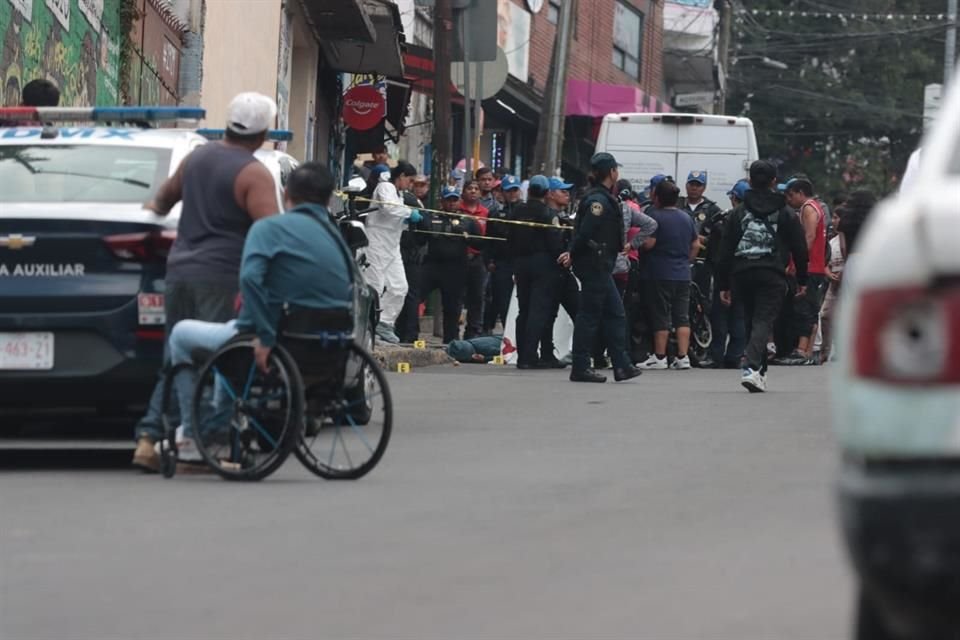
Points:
(675, 318)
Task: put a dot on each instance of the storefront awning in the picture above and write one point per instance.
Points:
(382, 55)
(339, 20)
(593, 99)
(398, 103)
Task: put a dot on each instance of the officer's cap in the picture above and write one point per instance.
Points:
(449, 193)
(557, 184)
(697, 176)
(509, 183)
(539, 185)
(739, 190)
(603, 161)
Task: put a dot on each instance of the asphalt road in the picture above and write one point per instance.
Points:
(508, 505)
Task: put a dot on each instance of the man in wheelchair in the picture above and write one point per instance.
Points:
(297, 260)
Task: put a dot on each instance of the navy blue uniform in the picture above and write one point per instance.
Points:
(500, 266)
(534, 252)
(599, 238)
(445, 267)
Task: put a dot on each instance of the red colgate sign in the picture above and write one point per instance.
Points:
(363, 108)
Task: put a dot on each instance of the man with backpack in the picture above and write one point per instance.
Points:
(759, 238)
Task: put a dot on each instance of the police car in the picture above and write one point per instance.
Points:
(897, 401)
(81, 262)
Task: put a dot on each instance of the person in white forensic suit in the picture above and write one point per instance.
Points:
(385, 224)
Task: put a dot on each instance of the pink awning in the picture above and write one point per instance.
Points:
(585, 98)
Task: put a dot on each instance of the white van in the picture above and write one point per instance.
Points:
(676, 144)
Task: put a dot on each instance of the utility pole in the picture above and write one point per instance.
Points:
(950, 51)
(550, 130)
(442, 39)
(726, 22)
(467, 137)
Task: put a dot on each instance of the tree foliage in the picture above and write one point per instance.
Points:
(848, 109)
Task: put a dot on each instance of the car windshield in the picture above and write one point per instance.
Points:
(80, 173)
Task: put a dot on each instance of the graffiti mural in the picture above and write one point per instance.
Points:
(73, 43)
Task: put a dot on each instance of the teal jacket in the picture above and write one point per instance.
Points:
(297, 258)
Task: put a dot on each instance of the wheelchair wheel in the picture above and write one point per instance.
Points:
(246, 422)
(347, 429)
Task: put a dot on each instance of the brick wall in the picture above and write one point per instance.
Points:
(592, 47)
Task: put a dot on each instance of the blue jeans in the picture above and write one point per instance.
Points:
(727, 321)
(201, 300)
(186, 337)
(600, 310)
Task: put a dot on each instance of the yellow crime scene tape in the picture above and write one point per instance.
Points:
(458, 214)
(459, 235)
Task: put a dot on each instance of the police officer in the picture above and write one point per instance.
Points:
(597, 242)
(534, 251)
(413, 248)
(499, 263)
(567, 291)
(445, 266)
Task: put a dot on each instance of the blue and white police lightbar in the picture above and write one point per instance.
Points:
(101, 114)
(273, 135)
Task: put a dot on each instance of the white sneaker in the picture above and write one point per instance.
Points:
(186, 448)
(653, 363)
(753, 381)
(681, 364)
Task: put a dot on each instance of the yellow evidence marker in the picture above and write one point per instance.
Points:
(403, 367)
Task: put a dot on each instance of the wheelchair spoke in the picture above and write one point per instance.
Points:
(226, 384)
(250, 374)
(263, 432)
(356, 430)
(343, 443)
(364, 400)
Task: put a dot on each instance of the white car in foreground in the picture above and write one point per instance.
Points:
(897, 401)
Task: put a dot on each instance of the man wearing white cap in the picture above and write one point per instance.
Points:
(224, 190)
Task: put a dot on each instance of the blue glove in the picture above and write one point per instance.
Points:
(415, 216)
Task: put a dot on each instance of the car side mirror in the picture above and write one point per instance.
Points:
(356, 185)
(354, 234)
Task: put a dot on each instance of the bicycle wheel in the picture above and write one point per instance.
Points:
(247, 422)
(347, 428)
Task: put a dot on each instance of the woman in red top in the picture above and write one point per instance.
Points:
(476, 269)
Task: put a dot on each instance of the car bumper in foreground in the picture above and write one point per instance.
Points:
(901, 521)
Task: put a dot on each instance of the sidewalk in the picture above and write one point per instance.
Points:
(392, 355)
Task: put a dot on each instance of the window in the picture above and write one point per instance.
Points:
(627, 39)
(81, 173)
(553, 11)
(553, 15)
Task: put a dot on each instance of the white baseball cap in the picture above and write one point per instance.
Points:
(251, 113)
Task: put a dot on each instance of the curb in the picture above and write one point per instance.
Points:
(390, 356)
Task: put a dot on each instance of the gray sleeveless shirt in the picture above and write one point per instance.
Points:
(213, 227)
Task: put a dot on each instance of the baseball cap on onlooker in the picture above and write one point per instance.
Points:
(603, 161)
(657, 179)
(509, 182)
(697, 176)
(739, 190)
(539, 185)
(557, 184)
(762, 173)
(799, 181)
(449, 192)
(250, 113)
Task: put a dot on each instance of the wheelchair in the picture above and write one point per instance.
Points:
(324, 398)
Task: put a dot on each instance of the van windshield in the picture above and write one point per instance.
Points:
(81, 173)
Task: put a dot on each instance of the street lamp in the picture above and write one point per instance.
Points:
(765, 61)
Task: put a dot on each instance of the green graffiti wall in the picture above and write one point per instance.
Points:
(73, 43)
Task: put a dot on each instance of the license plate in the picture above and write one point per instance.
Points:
(26, 351)
(150, 308)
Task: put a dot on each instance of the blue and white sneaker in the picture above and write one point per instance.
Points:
(753, 381)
